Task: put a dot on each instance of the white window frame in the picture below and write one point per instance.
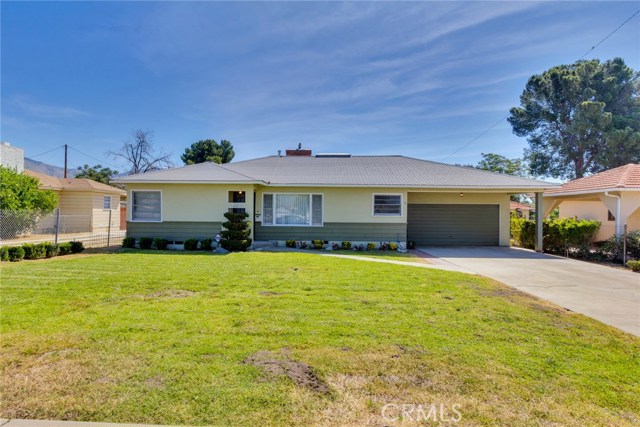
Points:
(130, 211)
(373, 204)
(104, 205)
(310, 195)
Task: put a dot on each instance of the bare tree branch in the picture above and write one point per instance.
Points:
(140, 154)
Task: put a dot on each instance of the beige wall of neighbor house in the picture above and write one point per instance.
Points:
(501, 199)
(100, 215)
(596, 206)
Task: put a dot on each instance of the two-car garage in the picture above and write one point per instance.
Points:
(453, 224)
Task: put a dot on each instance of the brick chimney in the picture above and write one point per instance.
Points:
(305, 152)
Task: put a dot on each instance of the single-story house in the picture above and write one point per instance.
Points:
(611, 197)
(521, 209)
(330, 197)
(84, 203)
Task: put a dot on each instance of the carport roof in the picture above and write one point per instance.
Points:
(357, 171)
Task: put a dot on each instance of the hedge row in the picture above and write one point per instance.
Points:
(574, 237)
(560, 236)
(346, 245)
(162, 244)
(39, 250)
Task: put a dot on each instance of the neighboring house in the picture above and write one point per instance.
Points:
(84, 204)
(521, 209)
(331, 197)
(611, 197)
(11, 157)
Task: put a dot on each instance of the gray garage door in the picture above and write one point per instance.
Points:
(453, 225)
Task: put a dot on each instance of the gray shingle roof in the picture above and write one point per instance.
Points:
(382, 171)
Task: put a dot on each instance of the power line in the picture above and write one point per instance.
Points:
(609, 35)
(582, 57)
(94, 158)
(46, 152)
(476, 138)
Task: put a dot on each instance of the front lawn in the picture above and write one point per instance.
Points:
(261, 339)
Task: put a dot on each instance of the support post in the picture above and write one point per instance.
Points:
(539, 219)
(109, 229)
(57, 224)
(624, 246)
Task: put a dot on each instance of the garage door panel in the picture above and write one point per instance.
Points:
(453, 225)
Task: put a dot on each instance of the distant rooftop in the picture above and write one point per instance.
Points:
(623, 177)
(72, 184)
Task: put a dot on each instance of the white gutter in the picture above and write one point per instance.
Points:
(618, 201)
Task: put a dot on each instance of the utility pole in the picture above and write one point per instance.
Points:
(65, 160)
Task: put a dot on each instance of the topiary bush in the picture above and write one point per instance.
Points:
(191, 244)
(145, 242)
(64, 248)
(34, 251)
(160, 244)
(317, 244)
(290, 243)
(129, 242)
(236, 236)
(206, 245)
(4, 253)
(76, 247)
(15, 253)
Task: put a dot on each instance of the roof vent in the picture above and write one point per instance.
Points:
(334, 155)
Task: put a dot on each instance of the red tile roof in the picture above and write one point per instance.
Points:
(517, 205)
(627, 176)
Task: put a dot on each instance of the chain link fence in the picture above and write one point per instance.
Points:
(18, 227)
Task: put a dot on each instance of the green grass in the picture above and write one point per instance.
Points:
(161, 337)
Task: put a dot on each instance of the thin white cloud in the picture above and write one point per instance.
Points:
(25, 105)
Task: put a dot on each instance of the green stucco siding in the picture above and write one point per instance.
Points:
(336, 231)
(174, 230)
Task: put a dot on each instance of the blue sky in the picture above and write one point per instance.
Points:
(417, 79)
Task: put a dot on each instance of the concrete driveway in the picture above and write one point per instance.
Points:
(607, 294)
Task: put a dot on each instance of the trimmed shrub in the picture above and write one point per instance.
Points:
(235, 237)
(317, 244)
(191, 245)
(634, 265)
(346, 245)
(411, 244)
(34, 251)
(371, 246)
(393, 246)
(129, 242)
(565, 236)
(15, 253)
(4, 253)
(160, 244)
(64, 248)
(206, 245)
(145, 242)
(290, 243)
(76, 247)
(50, 249)
(612, 248)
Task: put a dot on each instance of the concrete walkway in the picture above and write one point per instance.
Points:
(608, 294)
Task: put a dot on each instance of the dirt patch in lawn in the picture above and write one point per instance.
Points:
(171, 293)
(278, 364)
